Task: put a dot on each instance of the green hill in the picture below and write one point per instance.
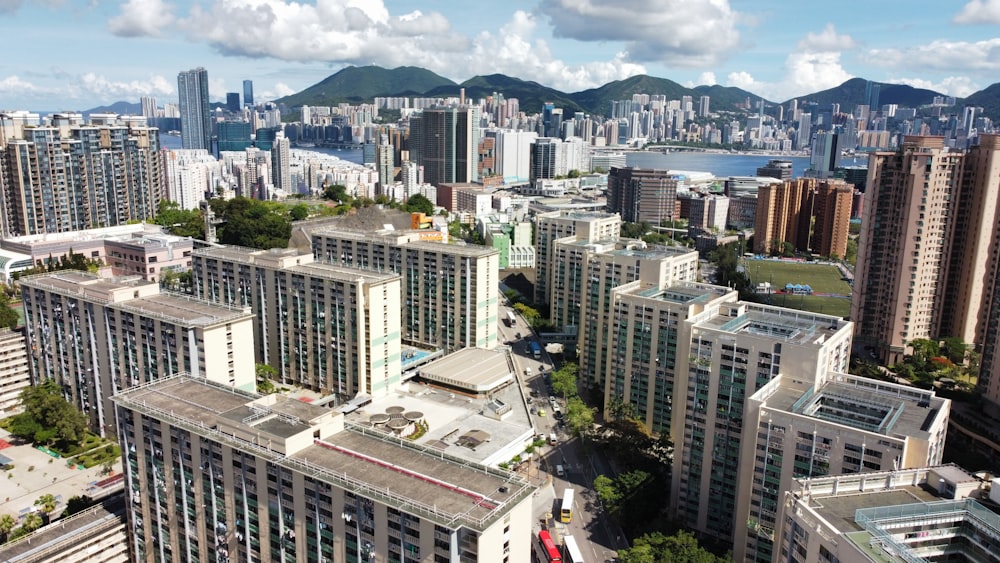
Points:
(988, 99)
(852, 93)
(727, 98)
(598, 100)
(530, 95)
(361, 84)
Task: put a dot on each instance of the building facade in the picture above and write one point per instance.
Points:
(450, 292)
(639, 194)
(445, 141)
(329, 328)
(838, 424)
(68, 178)
(214, 473)
(904, 250)
(14, 373)
(555, 225)
(783, 215)
(196, 116)
(96, 337)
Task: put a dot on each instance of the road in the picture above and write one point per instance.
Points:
(597, 536)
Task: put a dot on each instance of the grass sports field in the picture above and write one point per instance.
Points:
(822, 278)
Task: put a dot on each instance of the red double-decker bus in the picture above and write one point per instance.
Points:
(549, 547)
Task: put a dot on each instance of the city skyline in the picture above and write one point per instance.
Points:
(285, 46)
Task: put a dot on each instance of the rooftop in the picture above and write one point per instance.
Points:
(682, 293)
(476, 370)
(434, 484)
(865, 404)
(789, 325)
(184, 310)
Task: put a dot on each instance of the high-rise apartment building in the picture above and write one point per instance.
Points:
(798, 427)
(196, 116)
(217, 474)
(69, 177)
(783, 214)
(233, 102)
(325, 327)
(734, 349)
(640, 194)
(512, 150)
(96, 337)
(904, 251)
(234, 136)
(709, 213)
(445, 141)
(14, 373)
(190, 175)
(281, 159)
(925, 514)
(584, 226)
(832, 204)
(148, 104)
(450, 292)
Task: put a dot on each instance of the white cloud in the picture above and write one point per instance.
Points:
(815, 66)
(142, 18)
(279, 90)
(826, 41)
(959, 86)
(14, 85)
(685, 33)
(363, 32)
(706, 78)
(979, 12)
(94, 86)
(979, 56)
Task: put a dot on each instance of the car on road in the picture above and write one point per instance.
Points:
(541, 412)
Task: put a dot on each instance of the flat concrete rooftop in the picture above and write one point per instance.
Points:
(789, 325)
(377, 465)
(183, 310)
(475, 370)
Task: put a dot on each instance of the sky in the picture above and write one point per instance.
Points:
(79, 54)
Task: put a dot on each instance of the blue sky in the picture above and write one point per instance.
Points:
(77, 54)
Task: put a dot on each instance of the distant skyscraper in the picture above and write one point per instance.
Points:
(281, 175)
(825, 157)
(248, 93)
(233, 102)
(444, 141)
(703, 106)
(871, 95)
(148, 106)
(196, 124)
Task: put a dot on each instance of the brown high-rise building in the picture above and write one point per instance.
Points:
(640, 194)
(906, 245)
(832, 208)
(783, 214)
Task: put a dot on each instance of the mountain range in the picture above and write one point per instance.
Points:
(362, 84)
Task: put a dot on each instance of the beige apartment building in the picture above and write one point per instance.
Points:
(14, 373)
(218, 474)
(450, 292)
(838, 424)
(903, 253)
(329, 328)
(556, 225)
(584, 291)
(96, 337)
(832, 203)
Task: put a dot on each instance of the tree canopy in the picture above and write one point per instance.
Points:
(253, 223)
(681, 547)
(180, 222)
(8, 316)
(418, 203)
(48, 417)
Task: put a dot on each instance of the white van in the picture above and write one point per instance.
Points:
(552, 439)
(560, 471)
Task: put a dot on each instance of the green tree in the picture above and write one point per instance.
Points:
(265, 374)
(564, 380)
(955, 349)
(181, 222)
(299, 212)
(7, 524)
(47, 504)
(337, 192)
(606, 491)
(579, 417)
(8, 316)
(32, 522)
(655, 547)
(530, 314)
(253, 223)
(634, 230)
(418, 203)
(48, 416)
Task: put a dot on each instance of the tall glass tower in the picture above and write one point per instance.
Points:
(196, 124)
(248, 93)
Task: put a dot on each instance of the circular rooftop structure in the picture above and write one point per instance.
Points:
(413, 416)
